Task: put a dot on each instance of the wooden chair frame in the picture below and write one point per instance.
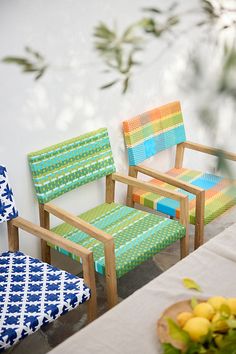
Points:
(109, 249)
(198, 192)
(48, 236)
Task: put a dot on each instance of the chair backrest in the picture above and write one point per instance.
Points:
(70, 164)
(7, 203)
(153, 131)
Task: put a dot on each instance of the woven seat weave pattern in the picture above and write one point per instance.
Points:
(70, 164)
(220, 194)
(153, 131)
(137, 235)
(33, 293)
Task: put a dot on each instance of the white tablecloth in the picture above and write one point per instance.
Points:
(130, 327)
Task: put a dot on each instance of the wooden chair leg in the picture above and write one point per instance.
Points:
(111, 282)
(44, 222)
(199, 225)
(13, 237)
(89, 278)
(184, 219)
(179, 155)
(110, 189)
(91, 309)
(184, 246)
(129, 200)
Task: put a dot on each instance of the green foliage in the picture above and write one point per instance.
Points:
(194, 302)
(115, 52)
(119, 50)
(209, 9)
(227, 345)
(225, 312)
(177, 333)
(155, 27)
(191, 284)
(169, 349)
(34, 64)
(227, 86)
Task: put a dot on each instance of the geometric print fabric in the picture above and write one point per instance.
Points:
(137, 235)
(7, 203)
(220, 194)
(153, 131)
(33, 293)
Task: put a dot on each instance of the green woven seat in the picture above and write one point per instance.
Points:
(138, 235)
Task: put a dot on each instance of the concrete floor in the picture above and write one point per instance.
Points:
(51, 335)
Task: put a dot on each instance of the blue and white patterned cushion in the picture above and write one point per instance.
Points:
(7, 203)
(33, 293)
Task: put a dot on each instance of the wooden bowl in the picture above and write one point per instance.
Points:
(172, 312)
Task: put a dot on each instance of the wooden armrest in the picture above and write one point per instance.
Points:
(51, 237)
(131, 181)
(78, 223)
(182, 198)
(168, 179)
(210, 150)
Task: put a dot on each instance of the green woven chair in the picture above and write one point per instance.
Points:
(120, 237)
(162, 128)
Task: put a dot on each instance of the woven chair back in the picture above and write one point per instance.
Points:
(153, 131)
(65, 166)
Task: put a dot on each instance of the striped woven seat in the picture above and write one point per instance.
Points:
(220, 194)
(138, 235)
(162, 128)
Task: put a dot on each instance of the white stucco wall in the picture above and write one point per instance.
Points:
(67, 102)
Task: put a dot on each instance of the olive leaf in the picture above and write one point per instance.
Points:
(169, 349)
(152, 9)
(118, 52)
(194, 302)
(109, 84)
(177, 333)
(191, 284)
(34, 64)
(224, 311)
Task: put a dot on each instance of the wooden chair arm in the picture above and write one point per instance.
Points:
(106, 239)
(78, 223)
(209, 150)
(131, 181)
(168, 179)
(183, 199)
(50, 237)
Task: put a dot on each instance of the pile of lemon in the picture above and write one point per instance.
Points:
(213, 315)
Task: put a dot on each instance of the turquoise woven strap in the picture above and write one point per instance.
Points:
(137, 235)
(70, 164)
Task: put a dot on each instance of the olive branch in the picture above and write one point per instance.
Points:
(35, 63)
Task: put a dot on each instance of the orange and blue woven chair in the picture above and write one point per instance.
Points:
(162, 128)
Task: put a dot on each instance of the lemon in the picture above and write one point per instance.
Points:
(183, 317)
(204, 309)
(231, 302)
(216, 301)
(219, 325)
(197, 327)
